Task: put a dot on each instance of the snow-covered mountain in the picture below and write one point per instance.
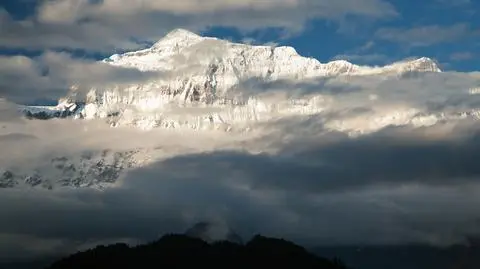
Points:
(205, 83)
(182, 50)
(218, 80)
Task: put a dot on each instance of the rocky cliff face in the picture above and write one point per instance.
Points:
(90, 169)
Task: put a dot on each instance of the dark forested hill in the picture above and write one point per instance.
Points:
(181, 251)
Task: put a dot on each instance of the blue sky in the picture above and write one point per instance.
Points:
(374, 32)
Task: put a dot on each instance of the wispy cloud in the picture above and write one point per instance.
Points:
(451, 3)
(364, 55)
(426, 35)
(460, 56)
(363, 58)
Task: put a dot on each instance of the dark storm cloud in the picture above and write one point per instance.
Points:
(343, 165)
(389, 184)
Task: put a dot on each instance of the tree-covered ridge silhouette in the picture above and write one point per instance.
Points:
(182, 251)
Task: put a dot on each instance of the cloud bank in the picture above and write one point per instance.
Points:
(112, 25)
(292, 177)
(51, 75)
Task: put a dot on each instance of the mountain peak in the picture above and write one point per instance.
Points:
(178, 37)
(180, 34)
(422, 64)
(425, 64)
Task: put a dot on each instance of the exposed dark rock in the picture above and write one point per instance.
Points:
(7, 180)
(33, 180)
